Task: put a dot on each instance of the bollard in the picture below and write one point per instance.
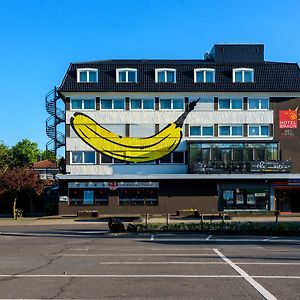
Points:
(146, 219)
(167, 218)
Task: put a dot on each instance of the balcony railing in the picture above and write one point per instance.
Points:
(241, 167)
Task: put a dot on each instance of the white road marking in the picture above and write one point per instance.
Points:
(152, 238)
(208, 238)
(270, 238)
(266, 294)
(180, 249)
(269, 263)
(277, 277)
(79, 249)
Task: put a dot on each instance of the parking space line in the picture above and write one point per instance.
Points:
(276, 276)
(266, 294)
(180, 249)
(268, 263)
(208, 238)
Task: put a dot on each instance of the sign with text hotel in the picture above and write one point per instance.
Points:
(288, 119)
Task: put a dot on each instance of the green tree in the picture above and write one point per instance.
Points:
(25, 153)
(6, 157)
(46, 154)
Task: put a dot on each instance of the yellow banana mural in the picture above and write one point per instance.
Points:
(130, 149)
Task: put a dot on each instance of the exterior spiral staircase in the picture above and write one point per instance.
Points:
(57, 116)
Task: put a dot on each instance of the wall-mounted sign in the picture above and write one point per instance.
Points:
(112, 185)
(271, 166)
(288, 118)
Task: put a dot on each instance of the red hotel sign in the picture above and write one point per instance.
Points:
(288, 118)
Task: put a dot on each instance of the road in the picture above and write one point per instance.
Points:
(85, 262)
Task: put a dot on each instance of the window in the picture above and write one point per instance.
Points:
(243, 75)
(97, 196)
(126, 75)
(165, 75)
(176, 104)
(117, 104)
(109, 160)
(174, 157)
(147, 104)
(258, 130)
(258, 104)
(231, 104)
(204, 75)
(83, 157)
(231, 130)
(138, 197)
(83, 104)
(201, 130)
(87, 75)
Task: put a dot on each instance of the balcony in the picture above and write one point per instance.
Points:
(241, 167)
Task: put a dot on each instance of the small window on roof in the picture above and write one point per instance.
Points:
(243, 75)
(87, 75)
(126, 75)
(165, 75)
(204, 75)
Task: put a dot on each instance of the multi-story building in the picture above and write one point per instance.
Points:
(238, 146)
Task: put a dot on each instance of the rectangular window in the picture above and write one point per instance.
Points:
(258, 130)
(201, 131)
(142, 104)
(173, 158)
(165, 75)
(243, 75)
(109, 160)
(126, 75)
(204, 75)
(231, 130)
(231, 104)
(138, 196)
(88, 197)
(83, 157)
(175, 104)
(117, 104)
(88, 104)
(87, 75)
(258, 104)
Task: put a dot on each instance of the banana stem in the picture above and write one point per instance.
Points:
(179, 122)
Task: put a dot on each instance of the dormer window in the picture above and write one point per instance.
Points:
(204, 75)
(165, 75)
(243, 75)
(87, 75)
(126, 75)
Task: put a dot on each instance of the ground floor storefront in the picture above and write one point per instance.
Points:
(166, 195)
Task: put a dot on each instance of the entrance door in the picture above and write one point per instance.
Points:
(295, 201)
(88, 197)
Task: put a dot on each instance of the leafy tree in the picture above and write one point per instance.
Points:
(17, 181)
(25, 153)
(46, 154)
(6, 156)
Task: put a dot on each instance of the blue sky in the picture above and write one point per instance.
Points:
(40, 38)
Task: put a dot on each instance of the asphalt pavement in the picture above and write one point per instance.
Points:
(85, 261)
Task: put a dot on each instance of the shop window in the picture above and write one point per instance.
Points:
(88, 197)
(101, 196)
(75, 196)
(173, 158)
(241, 199)
(138, 196)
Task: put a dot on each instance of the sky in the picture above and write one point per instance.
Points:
(39, 39)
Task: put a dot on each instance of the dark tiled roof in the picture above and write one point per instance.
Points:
(268, 77)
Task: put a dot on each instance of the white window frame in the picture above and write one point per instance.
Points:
(82, 104)
(142, 99)
(83, 158)
(165, 70)
(113, 104)
(126, 70)
(260, 134)
(171, 163)
(204, 70)
(201, 135)
(88, 70)
(248, 102)
(230, 135)
(172, 99)
(230, 108)
(234, 71)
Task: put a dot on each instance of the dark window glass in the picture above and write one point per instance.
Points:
(83, 76)
(131, 76)
(224, 103)
(136, 104)
(178, 157)
(177, 104)
(122, 76)
(106, 159)
(89, 104)
(166, 160)
(118, 104)
(92, 76)
(106, 104)
(170, 76)
(200, 76)
(209, 76)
